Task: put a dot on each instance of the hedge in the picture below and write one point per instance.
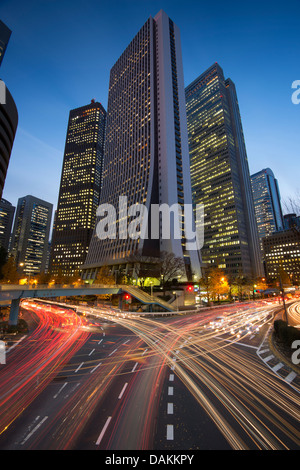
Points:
(285, 333)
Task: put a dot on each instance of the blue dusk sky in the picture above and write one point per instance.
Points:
(60, 55)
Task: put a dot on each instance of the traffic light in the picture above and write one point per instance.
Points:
(127, 298)
(190, 288)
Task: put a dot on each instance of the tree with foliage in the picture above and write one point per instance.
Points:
(43, 278)
(75, 278)
(10, 272)
(238, 286)
(214, 282)
(219, 283)
(206, 284)
(104, 276)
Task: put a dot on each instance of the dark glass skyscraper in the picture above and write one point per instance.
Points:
(7, 211)
(5, 34)
(267, 203)
(30, 236)
(220, 175)
(79, 188)
(146, 148)
(8, 114)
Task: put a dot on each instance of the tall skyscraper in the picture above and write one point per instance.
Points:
(146, 149)
(267, 203)
(5, 34)
(220, 175)
(7, 211)
(8, 114)
(30, 236)
(80, 188)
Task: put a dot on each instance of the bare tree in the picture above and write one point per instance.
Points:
(292, 204)
(170, 267)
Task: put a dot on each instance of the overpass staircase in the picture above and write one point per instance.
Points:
(146, 298)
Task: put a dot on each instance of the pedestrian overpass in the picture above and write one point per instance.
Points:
(15, 293)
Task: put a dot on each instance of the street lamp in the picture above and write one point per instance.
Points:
(175, 293)
(283, 301)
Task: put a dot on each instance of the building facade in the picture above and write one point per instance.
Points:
(291, 221)
(282, 255)
(5, 34)
(8, 114)
(80, 188)
(220, 175)
(146, 149)
(30, 235)
(267, 203)
(7, 211)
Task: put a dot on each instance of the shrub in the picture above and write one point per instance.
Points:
(285, 333)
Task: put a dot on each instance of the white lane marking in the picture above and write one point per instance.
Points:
(135, 366)
(34, 430)
(100, 341)
(145, 351)
(170, 409)
(126, 341)
(72, 390)
(122, 391)
(170, 391)
(15, 344)
(170, 432)
(264, 350)
(91, 352)
(290, 377)
(61, 388)
(277, 367)
(103, 431)
(79, 367)
(267, 359)
(113, 352)
(171, 378)
(95, 367)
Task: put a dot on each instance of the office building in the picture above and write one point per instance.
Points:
(220, 175)
(291, 221)
(267, 203)
(7, 211)
(146, 149)
(8, 114)
(30, 236)
(5, 34)
(282, 254)
(80, 188)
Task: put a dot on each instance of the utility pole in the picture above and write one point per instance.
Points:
(283, 301)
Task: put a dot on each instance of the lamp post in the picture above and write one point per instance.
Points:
(175, 293)
(283, 301)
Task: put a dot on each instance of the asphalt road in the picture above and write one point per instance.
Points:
(175, 383)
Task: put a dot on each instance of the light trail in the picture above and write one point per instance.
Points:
(244, 399)
(246, 390)
(294, 314)
(43, 353)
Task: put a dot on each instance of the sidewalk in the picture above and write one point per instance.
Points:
(278, 358)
